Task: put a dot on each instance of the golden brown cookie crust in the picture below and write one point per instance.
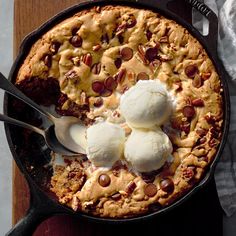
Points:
(113, 41)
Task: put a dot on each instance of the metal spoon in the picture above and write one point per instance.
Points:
(57, 136)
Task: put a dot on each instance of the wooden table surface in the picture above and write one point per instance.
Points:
(28, 15)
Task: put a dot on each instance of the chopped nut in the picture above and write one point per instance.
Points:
(48, 60)
(97, 47)
(72, 74)
(198, 102)
(120, 76)
(96, 68)
(165, 57)
(188, 173)
(121, 29)
(130, 187)
(163, 39)
(206, 75)
(76, 61)
(83, 99)
(131, 22)
(87, 59)
(197, 81)
(75, 203)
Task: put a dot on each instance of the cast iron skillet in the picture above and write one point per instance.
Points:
(32, 163)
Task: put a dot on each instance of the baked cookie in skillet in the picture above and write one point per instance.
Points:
(84, 66)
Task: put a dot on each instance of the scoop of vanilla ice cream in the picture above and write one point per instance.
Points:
(147, 150)
(146, 104)
(105, 143)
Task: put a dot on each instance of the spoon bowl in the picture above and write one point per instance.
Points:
(67, 127)
(57, 136)
(53, 143)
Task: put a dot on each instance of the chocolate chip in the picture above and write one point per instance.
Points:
(96, 68)
(48, 60)
(121, 39)
(189, 111)
(120, 76)
(106, 93)
(131, 22)
(191, 70)
(148, 34)
(126, 53)
(197, 81)
(104, 180)
(105, 38)
(110, 83)
(75, 30)
(116, 196)
(118, 62)
(76, 41)
(130, 187)
(142, 76)
(98, 86)
(150, 190)
(98, 102)
(148, 178)
(197, 102)
(167, 185)
(55, 47)
(151, 54)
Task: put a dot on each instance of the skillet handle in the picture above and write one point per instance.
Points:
(28, 224)
(212, 37)
(41, 208)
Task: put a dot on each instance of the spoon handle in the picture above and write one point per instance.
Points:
(22, 124)
(6, 85)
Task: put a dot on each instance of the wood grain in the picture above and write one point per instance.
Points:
(28, 15)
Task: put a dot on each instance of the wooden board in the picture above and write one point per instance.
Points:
(28, 15)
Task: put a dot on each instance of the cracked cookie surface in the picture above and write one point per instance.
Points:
(85, 63)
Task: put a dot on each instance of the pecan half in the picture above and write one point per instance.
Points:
(130, 187)
(87, 59)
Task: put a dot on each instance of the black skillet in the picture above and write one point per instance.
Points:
(32, 160)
